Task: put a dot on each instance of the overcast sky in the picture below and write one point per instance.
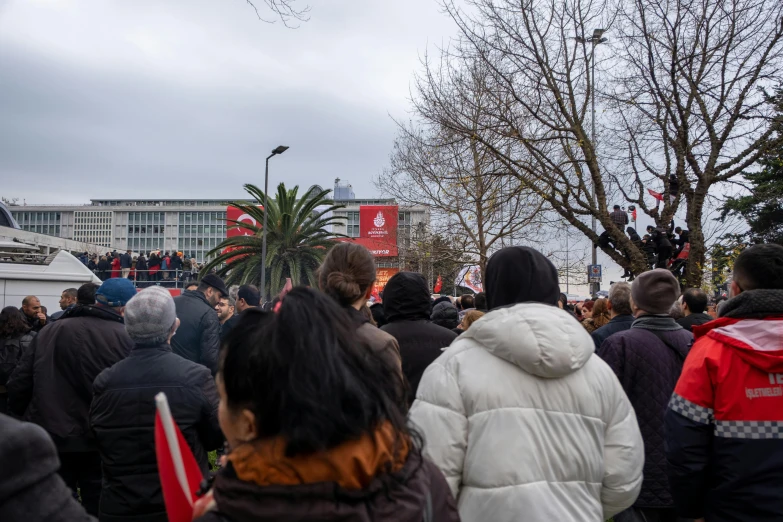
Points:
(185, 98)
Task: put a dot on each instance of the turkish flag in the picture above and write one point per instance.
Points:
(180, 476)
(438, 285)
(633, 214)
(656, 195)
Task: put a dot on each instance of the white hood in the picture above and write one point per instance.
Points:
(542, 340)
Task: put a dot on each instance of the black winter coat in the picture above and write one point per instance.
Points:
(648, 370)
(406, 303)
(122, 417)
(176, 263)
(52, 384)
(688, 322)
(11, 351)
(104, 267)
(198, 335)
(618, 323)
(31, 490)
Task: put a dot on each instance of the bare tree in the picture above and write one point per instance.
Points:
(285, 10)
(471, 202)
(681, 102)
(687, 100)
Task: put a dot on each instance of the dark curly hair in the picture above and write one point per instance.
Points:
(307, 378)
(12, 323)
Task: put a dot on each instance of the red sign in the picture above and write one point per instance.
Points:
(382, 276)
(235, 215)
(376, 247)
(378, 225)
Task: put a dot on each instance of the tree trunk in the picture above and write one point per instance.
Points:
(695, 264)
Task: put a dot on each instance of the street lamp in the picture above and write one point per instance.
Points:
(278, 150)
(596, 39)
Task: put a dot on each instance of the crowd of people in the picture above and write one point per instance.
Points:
(324, 405)
(663, 248)
(146, 270)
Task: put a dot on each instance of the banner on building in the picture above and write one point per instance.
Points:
(470, 277)
(379, 222)
(377, 248)
(382, 276)
(237, 216)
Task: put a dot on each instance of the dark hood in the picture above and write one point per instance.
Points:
(520, 275)
(406, 297)
(444, 314)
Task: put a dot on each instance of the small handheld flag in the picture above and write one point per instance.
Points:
(180, 475)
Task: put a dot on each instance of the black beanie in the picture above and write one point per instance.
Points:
(520, 275)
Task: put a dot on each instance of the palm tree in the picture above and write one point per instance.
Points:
(297, 240)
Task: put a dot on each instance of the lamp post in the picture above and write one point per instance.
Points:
(596, 39)
(278, 150)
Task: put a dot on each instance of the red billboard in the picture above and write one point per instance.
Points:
(378, 229)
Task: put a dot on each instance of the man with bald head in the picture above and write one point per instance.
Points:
(31, 308)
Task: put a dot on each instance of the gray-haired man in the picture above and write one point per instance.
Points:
(122, 415)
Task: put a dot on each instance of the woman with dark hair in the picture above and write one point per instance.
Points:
(313, 432)
(15, 338)
(347, 275)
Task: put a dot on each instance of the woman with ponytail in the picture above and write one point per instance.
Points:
(347, 276)
(314, 431)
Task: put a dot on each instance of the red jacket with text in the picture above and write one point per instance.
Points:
(724, 423)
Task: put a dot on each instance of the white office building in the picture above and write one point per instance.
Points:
(193, 227)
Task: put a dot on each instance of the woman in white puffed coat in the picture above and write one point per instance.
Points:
(525, 422)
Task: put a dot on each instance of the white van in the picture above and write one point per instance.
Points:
(24, 271)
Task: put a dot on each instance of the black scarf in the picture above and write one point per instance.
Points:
(660, 323)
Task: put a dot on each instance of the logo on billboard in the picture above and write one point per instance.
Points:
(378, 229)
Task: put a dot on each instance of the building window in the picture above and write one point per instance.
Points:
(40, 222)
(200, 232)
(352, 224)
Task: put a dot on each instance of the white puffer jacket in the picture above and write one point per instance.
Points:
(526, 423)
